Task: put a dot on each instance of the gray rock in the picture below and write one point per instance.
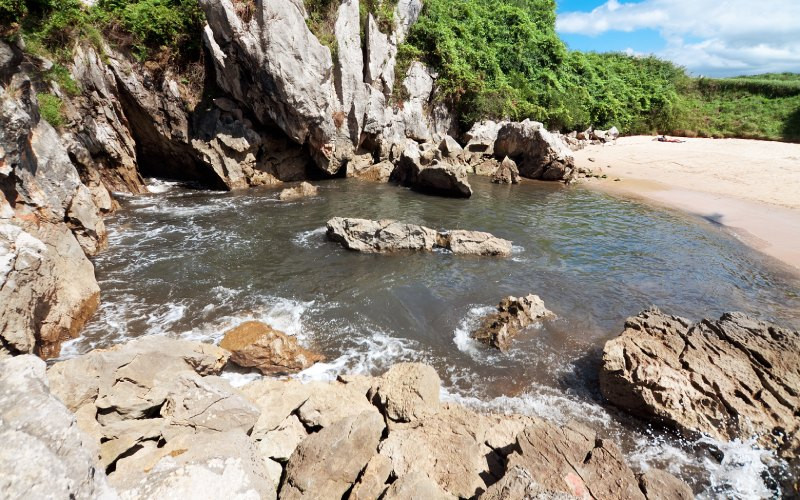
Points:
(325, 466)
(449, 147)
(444, 179)
(275, 67)
(349, 71)
(44, 454)
(385, 236)
(538, 153)
(474, 243)
(506, 173)
(481, 137)
(380, 236)
(733, 378)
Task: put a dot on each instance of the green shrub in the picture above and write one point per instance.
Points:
(11, 14)
(321, 21)
(51, 109)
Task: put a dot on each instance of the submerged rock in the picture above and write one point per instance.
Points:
(386, 236)
(514, 314)
(733, 378)
(257, 345)
(304, 190)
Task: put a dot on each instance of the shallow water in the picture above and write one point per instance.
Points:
(195, 263)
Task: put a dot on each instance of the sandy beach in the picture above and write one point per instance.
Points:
(750, 187)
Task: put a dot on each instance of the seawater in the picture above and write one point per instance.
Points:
(192, 264)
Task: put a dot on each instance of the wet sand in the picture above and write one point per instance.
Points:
(749, 187)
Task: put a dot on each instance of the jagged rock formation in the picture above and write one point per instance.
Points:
(274, 66)
(384, 236)
(513, 314)
(155, 420)
(733, 378)
(49, 223)
(538, 153)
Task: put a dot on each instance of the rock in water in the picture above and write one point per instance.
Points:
(507, 173)
(474, 243)
(384, 236)
(256, 345)
(445, 179)
(539, 154)
(733, 378)
(304, 190)
(380, 236)
(513, 314)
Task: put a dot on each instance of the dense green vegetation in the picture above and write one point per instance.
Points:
(503, 59)
(495, 59)
(52, 109)
(145, 27)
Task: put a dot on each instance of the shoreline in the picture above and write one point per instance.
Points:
(746, 187)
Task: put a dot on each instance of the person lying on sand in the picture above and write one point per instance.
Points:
(664, 138)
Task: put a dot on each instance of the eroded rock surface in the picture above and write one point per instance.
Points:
(257, 345)
(513, 314)
(304, 190)
(538, 153)
(386, 236)
(155, 416)
(733, 378)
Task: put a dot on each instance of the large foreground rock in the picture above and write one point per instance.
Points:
(733, 378)
(44, 454)
(49, 223)
(257, 345)
(513, 314)
(538, 153)
(385, 236)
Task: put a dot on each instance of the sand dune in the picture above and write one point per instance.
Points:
(751, 187)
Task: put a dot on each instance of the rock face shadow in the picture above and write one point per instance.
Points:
(791, 127)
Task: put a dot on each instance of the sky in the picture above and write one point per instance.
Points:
(713, 38)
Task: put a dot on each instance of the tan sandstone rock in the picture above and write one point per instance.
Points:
(304, 190)
(257, 345)
(407, 392)
(733, 378)
(513, 314)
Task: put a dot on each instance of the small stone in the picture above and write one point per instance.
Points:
(257, 345)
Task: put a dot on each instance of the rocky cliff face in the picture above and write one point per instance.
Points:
(49, 223)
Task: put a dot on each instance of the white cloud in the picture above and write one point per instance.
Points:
(706, 36)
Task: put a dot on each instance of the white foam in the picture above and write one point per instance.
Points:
(371, 355)
(159, 186)
(461, 335)
(310, 239)
(740, 473)
(164, 317)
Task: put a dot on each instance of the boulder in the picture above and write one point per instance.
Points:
(44, 453)
(444, 179)
(482, 136)
(279, 443)
(513, 314)
(304, 190)
(474, 243)
(487, 167)
(538, 153)
(372, 482)
(256, 345)
(380, 236)
(733, 378)
(450, 148)
(407, 392)
(612, 134)
(506, 173)
(384, 236)
(325, 466)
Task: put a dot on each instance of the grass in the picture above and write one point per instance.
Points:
(51, 109)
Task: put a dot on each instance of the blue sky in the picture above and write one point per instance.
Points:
(708, 37)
